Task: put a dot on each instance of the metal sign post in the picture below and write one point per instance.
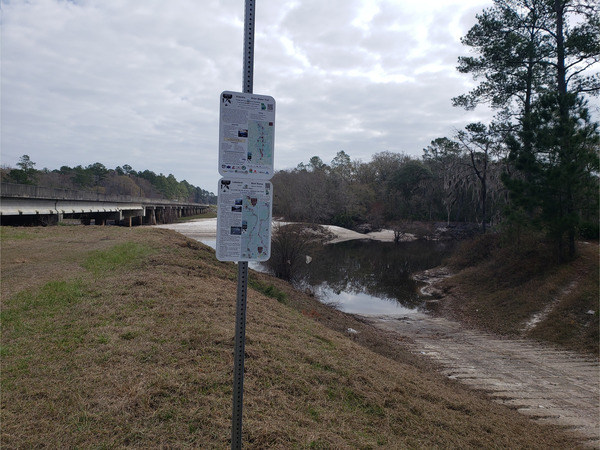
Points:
(242, 289)
(248, 67)
(240, 344)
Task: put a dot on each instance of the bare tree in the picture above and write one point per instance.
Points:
(291, 244)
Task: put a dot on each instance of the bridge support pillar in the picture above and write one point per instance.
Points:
(150, 216)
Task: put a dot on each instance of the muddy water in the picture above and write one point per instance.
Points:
(357, 276)
(371, 277)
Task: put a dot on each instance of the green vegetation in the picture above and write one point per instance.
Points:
(35, 316)
(14, 233)
(140, 356)
(121, 256)
(267, 289)
(531, 60)
(26, 173)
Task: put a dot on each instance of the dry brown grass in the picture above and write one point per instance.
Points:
(500, 287)
(104, 352)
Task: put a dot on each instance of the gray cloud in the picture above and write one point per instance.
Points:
(138, 82)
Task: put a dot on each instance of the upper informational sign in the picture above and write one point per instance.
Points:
(244, 220)
(246, 135)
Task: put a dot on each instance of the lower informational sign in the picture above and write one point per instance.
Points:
(244, 220)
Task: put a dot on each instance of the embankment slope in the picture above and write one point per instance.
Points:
(115, 337)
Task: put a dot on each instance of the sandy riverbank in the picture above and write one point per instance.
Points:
(207, 228)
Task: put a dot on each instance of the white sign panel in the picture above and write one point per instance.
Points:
(244, 220)
(246, 135)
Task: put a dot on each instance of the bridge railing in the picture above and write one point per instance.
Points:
(40, 192)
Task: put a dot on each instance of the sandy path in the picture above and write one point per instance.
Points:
(551, 386)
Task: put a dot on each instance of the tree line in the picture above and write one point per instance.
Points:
(442, 185)
(534, 167)
(122, 180)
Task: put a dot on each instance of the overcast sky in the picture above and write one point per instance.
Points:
(138, 82)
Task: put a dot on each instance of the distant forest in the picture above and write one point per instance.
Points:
(98, 178)
(454, 181)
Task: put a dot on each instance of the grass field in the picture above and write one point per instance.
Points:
(123, 338)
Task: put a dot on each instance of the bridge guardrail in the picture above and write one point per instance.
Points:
(40, 192)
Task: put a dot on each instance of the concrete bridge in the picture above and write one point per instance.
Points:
(25, 204)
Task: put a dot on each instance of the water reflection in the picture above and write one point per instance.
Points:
(371, 277)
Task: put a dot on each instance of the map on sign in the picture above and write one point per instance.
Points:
(256, 220)
(246, 135)
(260, 144)
(244, 220)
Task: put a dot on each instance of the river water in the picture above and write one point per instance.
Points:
(360, 276)
(371, 277)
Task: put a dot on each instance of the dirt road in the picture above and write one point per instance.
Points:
(548, 385)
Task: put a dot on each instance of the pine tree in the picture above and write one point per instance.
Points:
(536, 59)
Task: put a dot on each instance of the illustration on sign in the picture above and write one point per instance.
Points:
(246, 135)
(244, 220)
